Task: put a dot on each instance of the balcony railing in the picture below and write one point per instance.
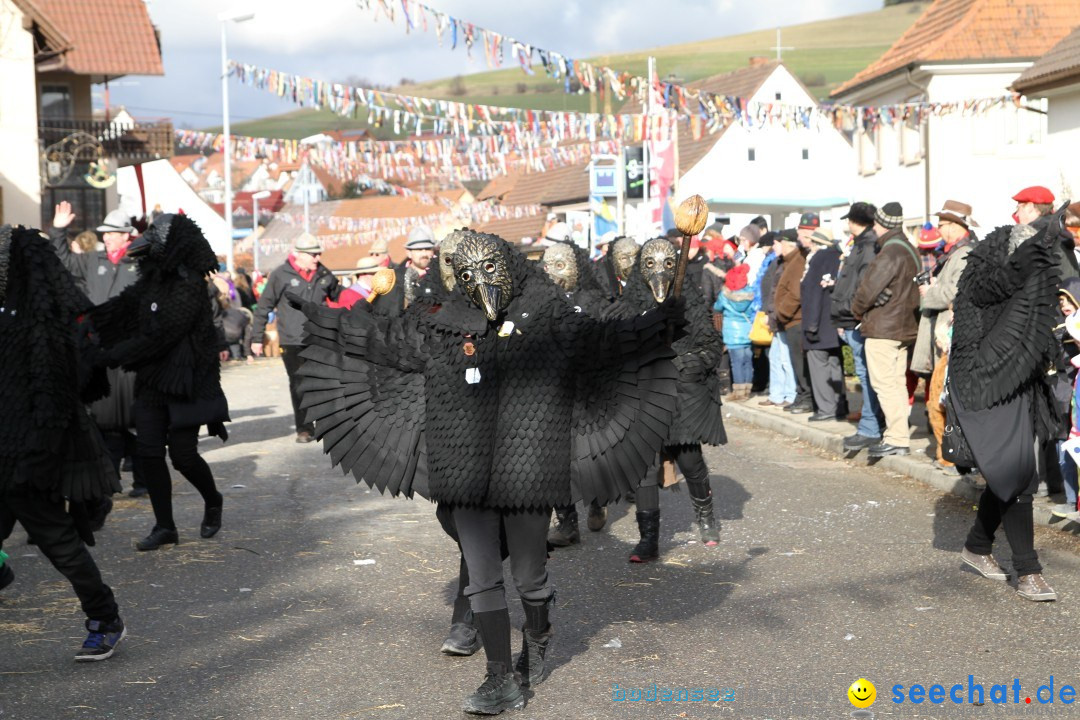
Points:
(125, 143)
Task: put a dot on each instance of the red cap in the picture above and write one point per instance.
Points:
(1035, 194)
(929, 237)
(736, 277)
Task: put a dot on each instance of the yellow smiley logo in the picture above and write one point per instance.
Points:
(862, 693)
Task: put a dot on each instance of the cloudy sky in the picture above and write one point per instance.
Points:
(335, 39)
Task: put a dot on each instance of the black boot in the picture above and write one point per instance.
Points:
(565, 532)
(597, 516)
(211, 521)
(499, 692)
(708, 526)
(535, 639)
(158, 536)
(648, 548)
(464, 638)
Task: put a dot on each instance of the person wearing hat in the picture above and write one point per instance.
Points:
(788, 311)
(360, 289)
(1033, 207)
(886, 304)
(304, 276)
(102, 275)
(735, 304)
(935, 313)
(380, 250)
(420, 248)
(864, 247)
(781, 374)
(824, 358)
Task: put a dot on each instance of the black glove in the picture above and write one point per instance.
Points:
(883, 297)
(674, 309)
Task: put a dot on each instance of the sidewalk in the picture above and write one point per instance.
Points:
(829, 435)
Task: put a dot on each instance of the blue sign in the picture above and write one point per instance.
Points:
(604, 180)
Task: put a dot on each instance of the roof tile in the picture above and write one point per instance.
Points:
(108, 37)
(1060, 66)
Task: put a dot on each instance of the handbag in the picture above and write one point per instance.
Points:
(954, 446)
(759, 331)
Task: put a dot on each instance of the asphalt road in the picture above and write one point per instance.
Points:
(826, 573)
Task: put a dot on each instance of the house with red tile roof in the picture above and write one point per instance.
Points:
(53, 52)
(1056, 77)
(958, 51)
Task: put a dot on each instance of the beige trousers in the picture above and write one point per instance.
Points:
(887, 363)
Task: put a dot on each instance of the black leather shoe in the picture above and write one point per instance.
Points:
(821, 417)
(211, 522)
(158, 536)
(885, 449)
(138, 491)
(858, 442)
(463, 640)
(799, 409)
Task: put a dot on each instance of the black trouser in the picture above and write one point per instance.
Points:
(692, 465)
(445, 514)
(793, 335)
(827, 381)
(291, 355)
(122, 444)
(155, 434)
(761, 369)
(479, 534)
(54, 531)
(1017, 518)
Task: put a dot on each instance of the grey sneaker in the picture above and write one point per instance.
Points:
(1063, 510)
(985, 565)
(1034, 587)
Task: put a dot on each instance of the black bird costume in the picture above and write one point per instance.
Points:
(1002, 347)
(162, 329)
(51, 453)
(699, 418)
(502, 403)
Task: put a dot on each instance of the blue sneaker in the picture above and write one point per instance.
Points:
(7, 576)
(101, 643)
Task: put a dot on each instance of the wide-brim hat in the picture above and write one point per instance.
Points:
(380, 246)
(421, 238)
(957, 212)
(821, 236)
(368, 265)
(308, 243)
(118, 222)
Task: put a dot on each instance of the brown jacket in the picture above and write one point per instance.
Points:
(894, 269)
(788, 302)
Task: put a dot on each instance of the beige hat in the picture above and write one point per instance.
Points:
(822, 236)
(368, 265)
(308, 243)
(380, 246)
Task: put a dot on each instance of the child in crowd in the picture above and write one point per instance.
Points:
(1065, 391)
(735, 304)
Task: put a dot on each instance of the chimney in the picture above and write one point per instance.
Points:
(758, 60)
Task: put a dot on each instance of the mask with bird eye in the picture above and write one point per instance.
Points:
(657, 262)
(446, 249)
(624, 251)
(482, 269)
(560, 264)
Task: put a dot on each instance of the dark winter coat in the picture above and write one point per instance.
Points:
(698, 349)
(162, 329)
(100, 278)
(863, 252)
(788, 297)
(48, 445)
(490, 414)
(818, 330)
(712, 284)
(770, 275)
(1004, 315)
(392, 304)
(290, 321)
(1063, 246)
(894, 315)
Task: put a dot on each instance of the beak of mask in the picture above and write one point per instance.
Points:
(489, 298)
(658, 284)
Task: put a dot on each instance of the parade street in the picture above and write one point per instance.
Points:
(322, 600)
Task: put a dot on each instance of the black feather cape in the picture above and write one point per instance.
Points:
(561, 406)
(48, 444)
(162, 327)
(698, 348)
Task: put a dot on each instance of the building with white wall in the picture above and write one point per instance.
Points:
(958, 51)
(1055, 77)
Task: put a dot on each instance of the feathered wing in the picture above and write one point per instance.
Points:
(363, 386)
(626, 400)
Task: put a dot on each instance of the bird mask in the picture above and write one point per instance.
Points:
(482, 269)
(657, 261)
(624, 252)
(560, 264)
(446, 249)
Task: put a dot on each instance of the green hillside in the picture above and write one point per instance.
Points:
(825, 53)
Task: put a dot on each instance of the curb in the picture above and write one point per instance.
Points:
(913, 466)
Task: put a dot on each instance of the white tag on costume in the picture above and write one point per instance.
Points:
(472, 375)
(506, 328)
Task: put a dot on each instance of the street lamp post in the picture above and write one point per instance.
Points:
(255, 198)
(224, 19)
